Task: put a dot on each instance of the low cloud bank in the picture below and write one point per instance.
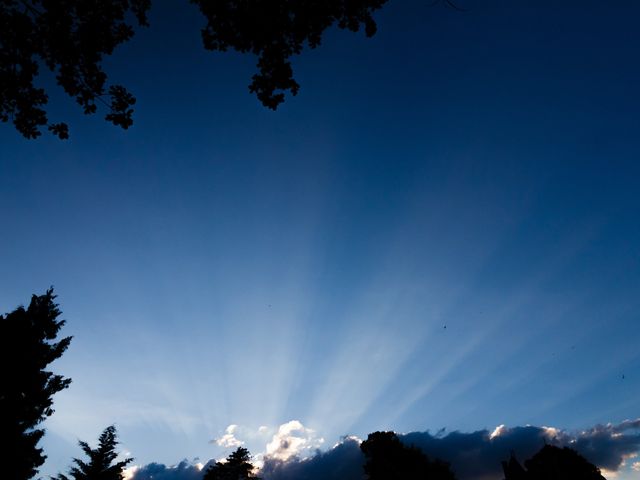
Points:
(156, 471)
(473, 456)
(477, 455)
(344, 461)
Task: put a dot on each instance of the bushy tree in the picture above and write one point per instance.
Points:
(387, 458)
(27, 348)
(237, 467)
(552, 463)
(100, 464)
(71, 37)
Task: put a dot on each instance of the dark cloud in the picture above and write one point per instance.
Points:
(342, 462)
(607, 445)
(477, 455)
(157, 471)
(473, 456)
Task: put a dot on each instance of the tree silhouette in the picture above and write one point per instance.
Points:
(26, 387)
(237, 467)
(71, 38)
(513, 470)
(552, 463)
(388, 459)
(100, 465)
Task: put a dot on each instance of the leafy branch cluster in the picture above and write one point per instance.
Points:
(71, 38)
(275, 30)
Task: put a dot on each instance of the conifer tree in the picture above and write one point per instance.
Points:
(100, 464)
(27, 347)
(237, 467)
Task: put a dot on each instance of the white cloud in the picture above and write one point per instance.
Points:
(551, 432)
(129, 472)
(293, 440)
(229, 440)
(636, 466)
(499, 430)
(348, 438)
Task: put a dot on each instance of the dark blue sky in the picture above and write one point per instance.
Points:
(220, 263)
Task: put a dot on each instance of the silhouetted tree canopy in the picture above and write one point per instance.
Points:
(100, 465)
(552, 463)
(26, 386)
(237, 467)
(389, 459)
(71, 37)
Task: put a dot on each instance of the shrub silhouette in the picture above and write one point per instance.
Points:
(27, 387)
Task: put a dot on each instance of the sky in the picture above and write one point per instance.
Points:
(439, 231)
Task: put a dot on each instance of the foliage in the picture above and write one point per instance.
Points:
(71, 37)
(389, 459)
(237, 467)
(100, 465)
(26, 387)
(274, 30)
(552, 463)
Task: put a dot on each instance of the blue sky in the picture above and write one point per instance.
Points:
(222, 264)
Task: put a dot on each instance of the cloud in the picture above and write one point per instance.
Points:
(342, 462)
(608, 445)
(293, 453)
(292, 440)
(478, 455)
(475, 455)
(228, 440)
(626, 425)
(157, 471)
